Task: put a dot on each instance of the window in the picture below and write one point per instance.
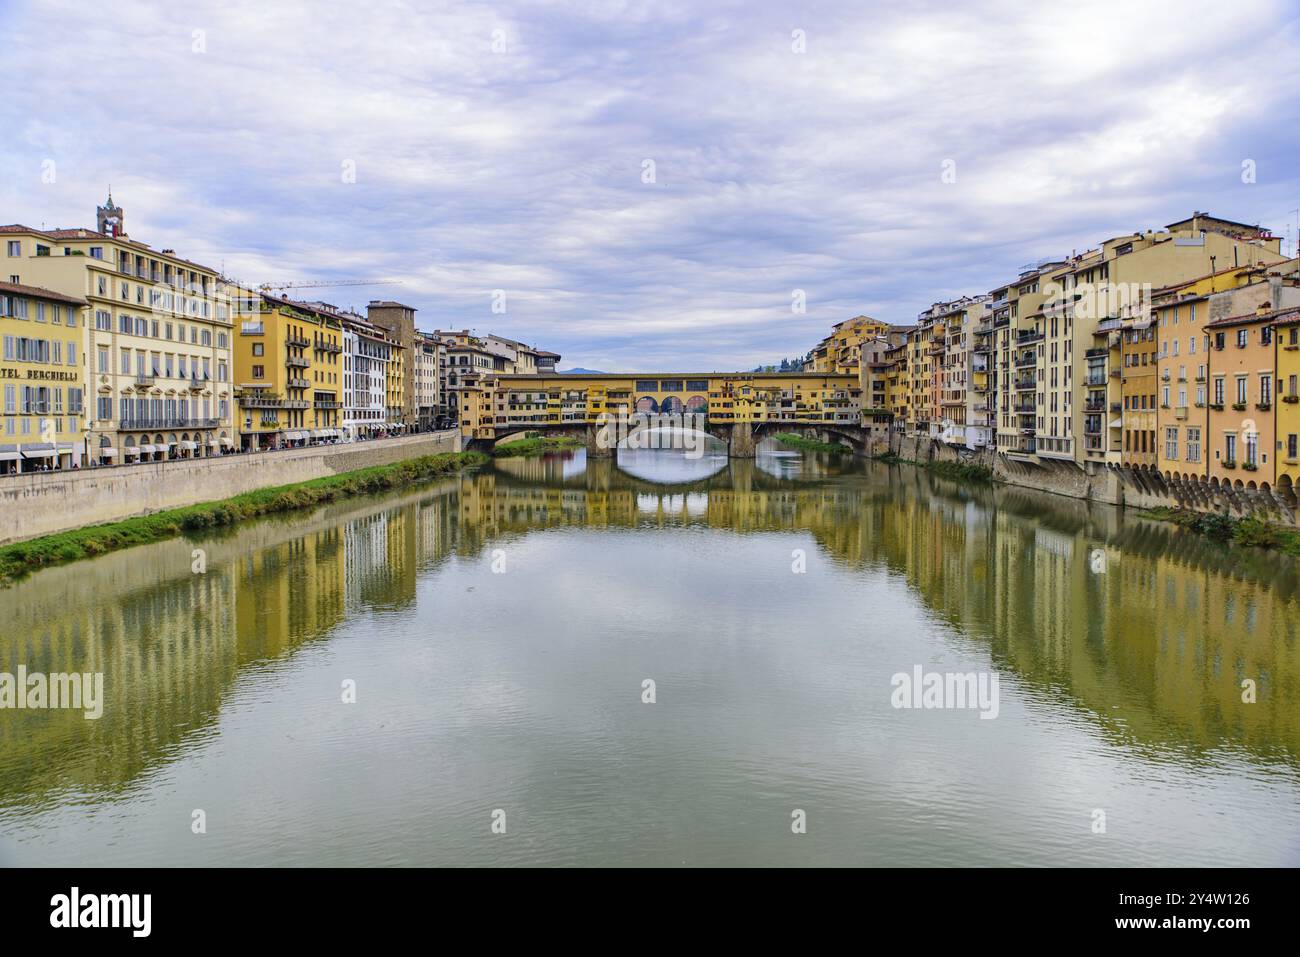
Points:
(1218, 390)
(1242, 390)
(1193, 444)
(1243, 338)
(1230, 448)
(1252, 448)
(1171, 443)
(15, 247)
(1291, 446)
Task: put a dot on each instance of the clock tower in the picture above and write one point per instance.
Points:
(110, 217)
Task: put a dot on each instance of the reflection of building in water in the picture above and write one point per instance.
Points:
(382, 552)
(1148, 630)
(169, 640)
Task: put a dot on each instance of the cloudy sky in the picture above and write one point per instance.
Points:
(647, 183)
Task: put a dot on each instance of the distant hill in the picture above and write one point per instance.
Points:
(579, 370)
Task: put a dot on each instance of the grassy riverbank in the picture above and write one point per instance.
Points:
(1250, 531)
(536, 446)
(22, 558)
(957, 471)
(812, 445)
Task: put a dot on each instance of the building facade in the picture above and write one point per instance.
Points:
(157, 344)
(44, 378)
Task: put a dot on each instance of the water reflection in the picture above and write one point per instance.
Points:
(1123, 645)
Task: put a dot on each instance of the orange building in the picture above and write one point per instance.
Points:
(1241, 434)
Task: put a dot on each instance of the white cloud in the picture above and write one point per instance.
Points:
(521, 169)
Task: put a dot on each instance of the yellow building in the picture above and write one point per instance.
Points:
(1180, 314)
(157, 344)
(44, 378)
(841, 351)
(1286, 338)
(287, 372)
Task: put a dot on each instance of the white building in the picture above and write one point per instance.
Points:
(367, 350)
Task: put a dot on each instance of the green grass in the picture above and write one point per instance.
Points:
(22, 558)
(1251, 531)
(812, 445)
(961, 471)
(957, 471)
(536, 446)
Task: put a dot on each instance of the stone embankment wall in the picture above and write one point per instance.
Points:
(42, 503)
(1126, 487)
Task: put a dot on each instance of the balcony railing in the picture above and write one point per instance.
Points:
(297, 362)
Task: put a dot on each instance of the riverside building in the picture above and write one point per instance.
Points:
(156, 343)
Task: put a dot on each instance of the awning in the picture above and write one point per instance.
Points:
(190, 445)
(38, 453)
(1117, 424)
(107, 450)
(317, 433)
(147, 449)
(213, 443)
(8, 456)
(226, 441)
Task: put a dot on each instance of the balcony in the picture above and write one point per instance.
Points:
(297, 362)
(1094, 406)
(1180, 412)
(1025, 361)
(295, 340)
(298, 383)
(328, 404)
(252, 329)
(1027, 336)
(1095, 379)
(1026, 385)
(143, 380)
(333, 347)
(1098, 352)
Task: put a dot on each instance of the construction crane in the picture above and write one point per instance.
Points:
(316, 284)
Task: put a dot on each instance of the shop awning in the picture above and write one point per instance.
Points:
(38, 453)
(107, 450)
(8, 456)
(225, 441)
(147, 449)
(191, 446)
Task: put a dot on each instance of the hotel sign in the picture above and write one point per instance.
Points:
(39, 375)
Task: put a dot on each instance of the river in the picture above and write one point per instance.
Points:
(499, 636)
